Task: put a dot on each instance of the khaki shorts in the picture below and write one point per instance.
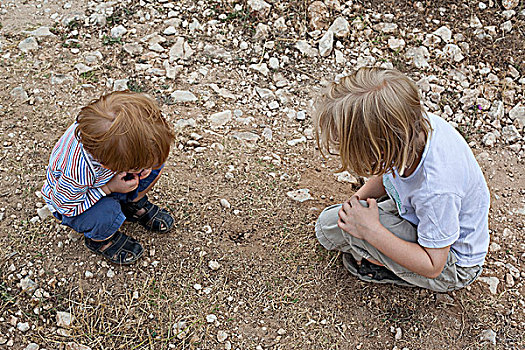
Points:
(333, 238)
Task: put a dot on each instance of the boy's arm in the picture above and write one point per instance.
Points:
(364, 224)
(373, 188)
(71, 198)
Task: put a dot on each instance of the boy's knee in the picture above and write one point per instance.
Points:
(326, 230)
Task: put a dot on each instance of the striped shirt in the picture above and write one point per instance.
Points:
(74, 179)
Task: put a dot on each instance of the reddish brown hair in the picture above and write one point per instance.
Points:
(125, 130)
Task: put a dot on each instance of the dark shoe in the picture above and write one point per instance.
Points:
(122, 249)
(366, 271)
(154, 218)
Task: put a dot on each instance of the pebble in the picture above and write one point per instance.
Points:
(183, 96)
(40, 32)
(345, 176)
(32, 346)
(510, 4)
(340, 27)
(260, 7)
(118, 31)
(64, 319)
(28, 285)
(273, 63)
(306, 49)
(28, 44)
(220, 119)
(245, 136)
(300, 195)
(18, 93)
(120, 85)
(261, 68)
(88, 274)
(214, 265)
(326, 44)
(224, 203)
(488, 335)
(110, 273)
(211, 318)
(396, 44)
(44, 213)
(492, 282)
(221, 336)
(23, 326)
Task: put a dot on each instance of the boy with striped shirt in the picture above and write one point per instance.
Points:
(101, 169)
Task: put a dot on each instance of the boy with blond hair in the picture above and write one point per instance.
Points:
(432, 231)
(101, 169)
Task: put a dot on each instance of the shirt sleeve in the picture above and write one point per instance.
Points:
(72, 198)
(438, 220)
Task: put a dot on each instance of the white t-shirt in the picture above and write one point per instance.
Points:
(446, 196)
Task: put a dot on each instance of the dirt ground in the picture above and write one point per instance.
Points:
(275, 288)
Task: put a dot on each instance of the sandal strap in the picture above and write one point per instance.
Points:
(122, 249)
(154, 218)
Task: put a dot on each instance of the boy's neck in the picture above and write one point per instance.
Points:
(410, 170)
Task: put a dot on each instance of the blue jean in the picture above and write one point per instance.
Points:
(105, 217)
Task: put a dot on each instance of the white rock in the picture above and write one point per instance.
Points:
(222, 92)
(211, 318)
(180, 50)
(133, 49)
(170, 31)
(110, 273)
(120, 85)
(118, 31)
(295, 142)
(492, 282)
(220, 118)
(60, 78)
(388, 27)
(489, 139)
(40, 32)
(273, 63)
(22, 326)
(506, 26)
(183, 96)
(64, 319)
(32, 346)
(510, 4)
(260, 7)
(510, 133)
(28, 44)
(517, 114)
(306, 49)
(245, 136)
(345, 176)
(261, 68)
(265, 94)
(76, 346)
(221, 336)
(197, 286)
(444, 33)
(88, 274)
(454, 52)
(396, 44)
(28, 285)
(419, 56)
(82, 68)
(340, 27)
(300, 195)
(488, 335)
(326, 44)
(224, 203)
(399, 334)
(18, 93)
(214, 265)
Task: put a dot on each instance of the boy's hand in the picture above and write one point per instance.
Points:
(118, 184)
(356, 219)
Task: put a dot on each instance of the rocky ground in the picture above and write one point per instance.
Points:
(242, 268)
